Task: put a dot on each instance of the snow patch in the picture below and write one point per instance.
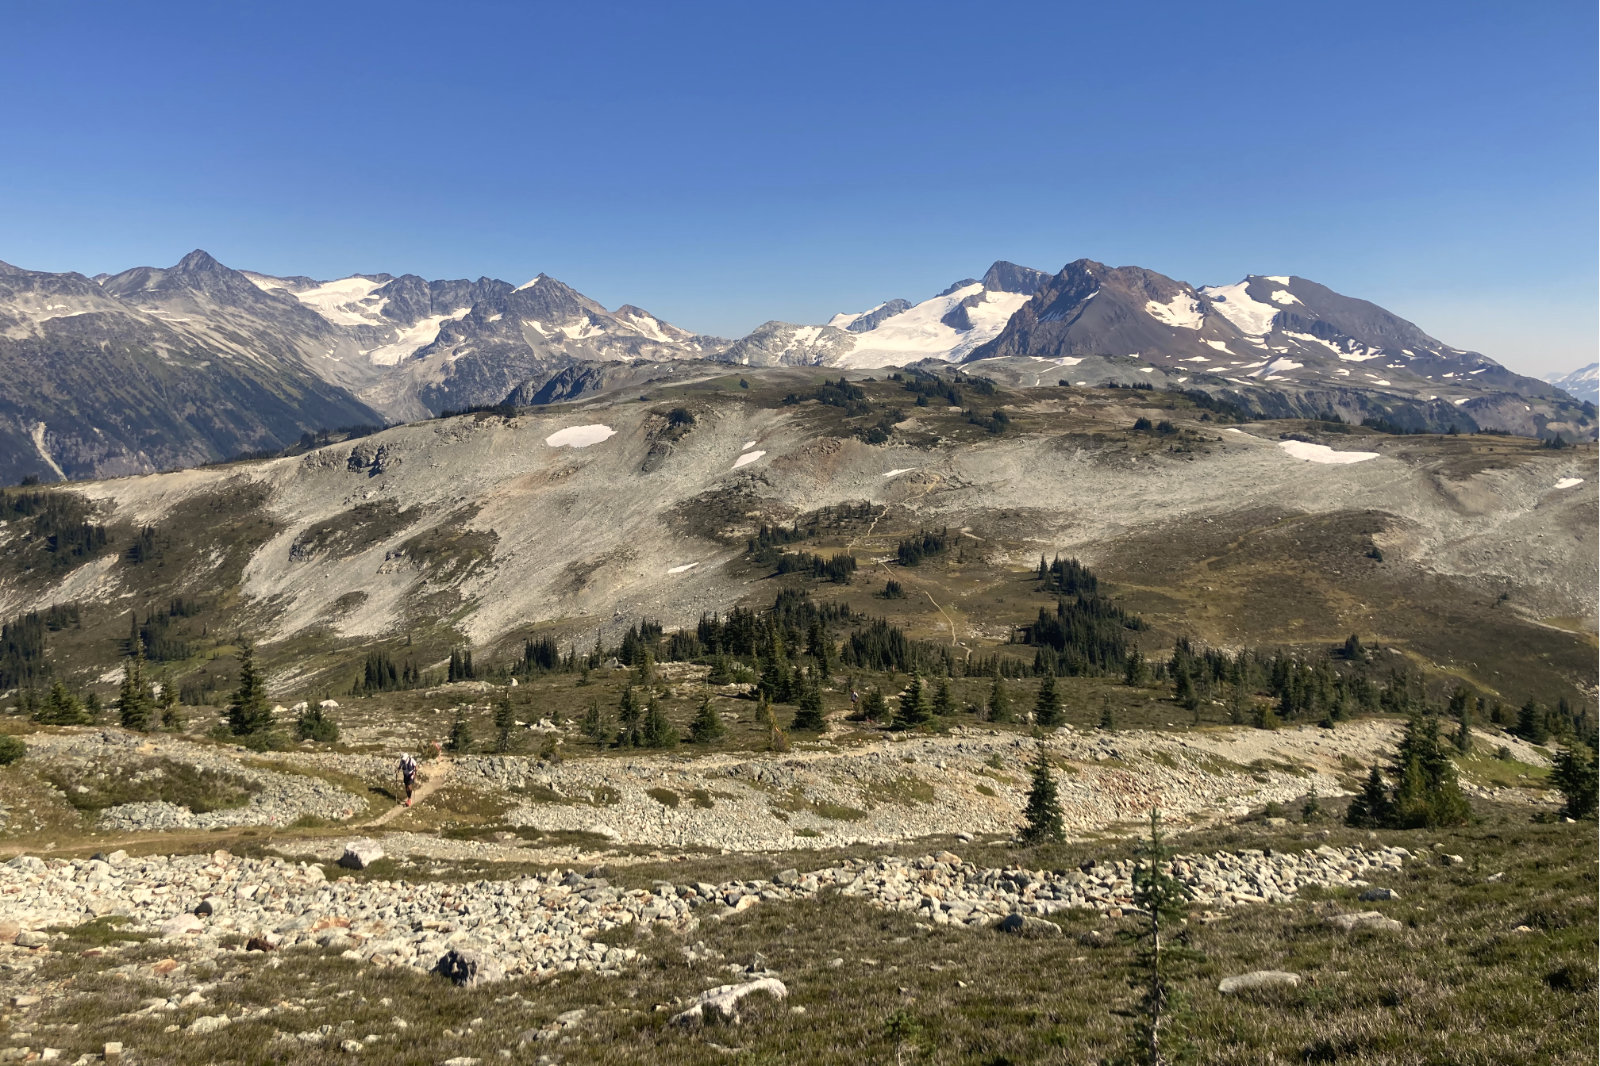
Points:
(748, 445)
(346, 302)
(1280, 365)
(579, 436)
(1284, 297)
(1234, 304)
(1569, 482)
(413, 339)
(1461, 401)
(1222, 346)
(747, 458)
(1182, 311)
(901, 470)
(681, 569)
(1275, 277)
(1321, 453)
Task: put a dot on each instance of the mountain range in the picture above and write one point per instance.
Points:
(154, 368)
(1584, 383)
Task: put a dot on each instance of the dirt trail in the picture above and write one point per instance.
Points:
(429, 784)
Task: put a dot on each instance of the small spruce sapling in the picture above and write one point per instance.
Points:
(505, 720)
(707, 727)
(1163, 899)
(1043, 821)
(1047, 708)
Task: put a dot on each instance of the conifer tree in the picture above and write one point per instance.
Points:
(999, 703)
(818, 645)
(60, 707)
(1107, 720)
(1463, 736)
(1531, 724)
(943, 704)
(1428, 794)
(249, 714)
(809, 718)
(1047, 708)
(657, 731)
(315, 724)
(1575, 775)
(167, 702)
(505, 720)
(874, 708)
(1134, 670)
(460, 740)
(913, 709)
(1370, 808)
(594, 724)
(628, 714)
(1043, 823)
(707, 727)
(1162, 898)
(133, 699)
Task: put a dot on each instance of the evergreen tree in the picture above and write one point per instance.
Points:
(60, 707)
(167, 702)
(1370, 808)
(874, 708)
(1162, 898)
(505, 719)
(460, 740)
(913, 709)
(91, 707)
(809, 718)
(1531, 724)
(1575, 775)
(134, 704)
(776, 739)
(1135, 671)
(1047, 708)
(999, 703)
(819, 647)
(943, 704)
(721, 671)
(249, 714)
(1107, 720)
(594, 724)
(314, 724)
(1043, 812)
(628, 714)
(644, 670)
(1428, 794)
(657, 732)
(707, 727)
(1463, 736)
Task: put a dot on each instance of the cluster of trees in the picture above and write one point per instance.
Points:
(932, 387)
(926, 543)
(842, 394)
(461, 668)
(994, 422)
(1425, 792)
(58, 521)
(380, 673)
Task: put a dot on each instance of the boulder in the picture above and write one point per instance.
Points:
(26, 862)
(209, 1023)
(1023, 925)
(9, 931)
(32, 938)
(787, 877)
(1373, 895)
(1246, 982)
(180, 925)
(359, 854)
(723, 1000)
(466, 968)
(1349, 923)
(208, 906)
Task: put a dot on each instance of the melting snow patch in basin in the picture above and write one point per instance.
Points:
(681, 569)
(898, 472)
(1569, 482)
(747, 458)
(579, 436)
(748, 445)
(1321, 453)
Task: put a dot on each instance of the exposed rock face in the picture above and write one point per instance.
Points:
(360, 854)
(723, 1001)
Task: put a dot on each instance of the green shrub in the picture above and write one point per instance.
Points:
(11, 749)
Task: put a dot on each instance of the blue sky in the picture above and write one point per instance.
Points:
(725, 164)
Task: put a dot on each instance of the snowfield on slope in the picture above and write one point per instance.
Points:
(1321, 453)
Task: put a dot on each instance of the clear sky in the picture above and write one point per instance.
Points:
(722, 164)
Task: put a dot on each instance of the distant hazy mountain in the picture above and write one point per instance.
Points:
(1584, 383)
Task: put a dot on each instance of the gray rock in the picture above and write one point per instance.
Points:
(180, 925)
(1373, 895)
(1246, 982)
(31, 938)
(209, 1023)
(787, 877)
(468, 968)
(1022, 925)
(359, 854)
(1365, 920)
(723, 1000)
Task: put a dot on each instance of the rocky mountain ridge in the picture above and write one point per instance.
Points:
(156, 368)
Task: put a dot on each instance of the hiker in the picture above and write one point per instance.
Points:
(408, 774)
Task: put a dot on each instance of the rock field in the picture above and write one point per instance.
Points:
(545, 925)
